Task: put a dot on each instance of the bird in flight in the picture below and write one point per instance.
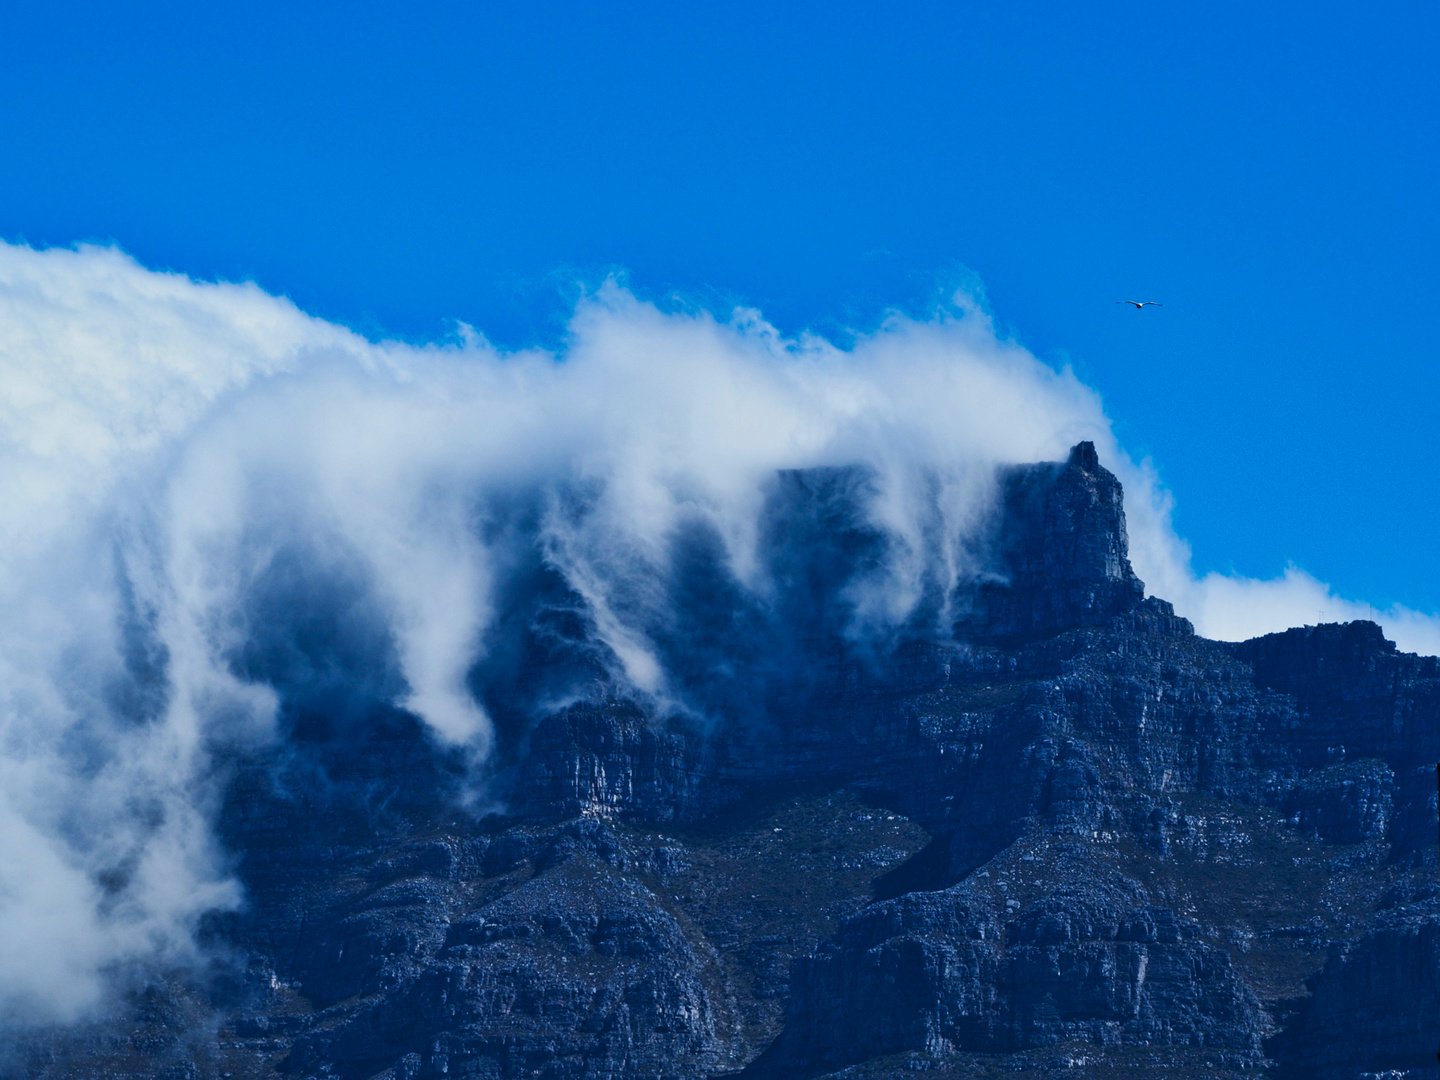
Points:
(1141, 303)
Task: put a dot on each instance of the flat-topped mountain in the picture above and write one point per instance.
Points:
(1064, 835)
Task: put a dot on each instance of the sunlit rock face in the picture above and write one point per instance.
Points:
(1041, 826)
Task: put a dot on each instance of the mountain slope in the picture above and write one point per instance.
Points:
(1070, 834)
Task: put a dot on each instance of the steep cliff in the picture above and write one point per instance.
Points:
(1070, 835)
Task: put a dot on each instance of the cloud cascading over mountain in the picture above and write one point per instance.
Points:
(213, 506)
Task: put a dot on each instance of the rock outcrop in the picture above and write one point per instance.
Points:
(1060, 551)
(941, 972)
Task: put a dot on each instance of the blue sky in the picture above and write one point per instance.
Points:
(1268, 172)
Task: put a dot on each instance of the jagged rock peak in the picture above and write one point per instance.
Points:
(1060, 552)
(1083, 455)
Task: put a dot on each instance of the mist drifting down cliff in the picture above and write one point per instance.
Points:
(215, 509)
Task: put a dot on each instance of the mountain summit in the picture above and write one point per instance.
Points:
(1068, 835)
(1062, 552)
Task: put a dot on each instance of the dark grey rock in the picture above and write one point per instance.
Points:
(1062, 552)
(939, 972)
(1375, 1008)
(1071, 832)
(1345, 804)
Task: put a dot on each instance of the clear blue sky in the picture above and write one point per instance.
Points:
(1270, 172)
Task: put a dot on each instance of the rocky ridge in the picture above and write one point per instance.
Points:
(1072, 838)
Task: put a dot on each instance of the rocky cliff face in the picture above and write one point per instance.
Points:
(1059, 549)
(1071, 836)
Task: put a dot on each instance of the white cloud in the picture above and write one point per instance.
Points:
(163, 440)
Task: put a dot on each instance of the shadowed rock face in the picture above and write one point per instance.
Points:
(937, 970)
(1072, 836)
(1376, 1004)
(1060, 551)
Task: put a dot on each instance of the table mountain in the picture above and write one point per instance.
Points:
(1065, 835)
